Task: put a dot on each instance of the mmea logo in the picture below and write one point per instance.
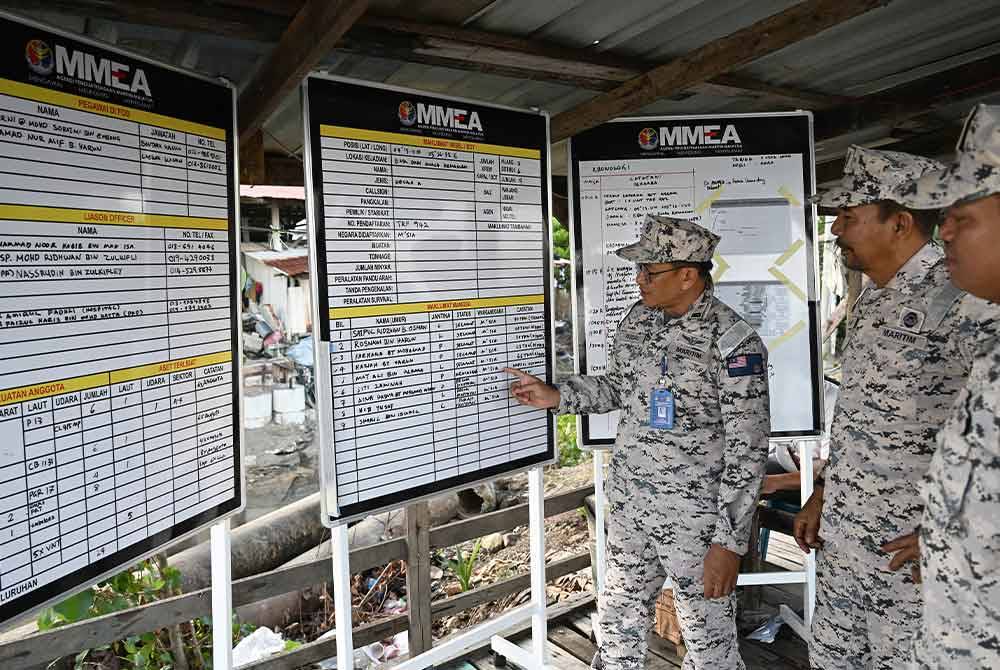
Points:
(437, 115)
(39, 57)
(686, 136)
(42, 60)
(407, 113)
(649, 139)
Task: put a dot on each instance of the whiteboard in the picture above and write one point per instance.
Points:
(746, 178)
(119, 374)
(430, 237)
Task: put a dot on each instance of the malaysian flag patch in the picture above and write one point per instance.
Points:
(742, 365)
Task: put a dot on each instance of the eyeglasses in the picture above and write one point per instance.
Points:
(642, 271)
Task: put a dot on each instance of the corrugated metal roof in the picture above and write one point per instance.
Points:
(886, 47)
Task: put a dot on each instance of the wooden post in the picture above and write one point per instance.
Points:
(418, 577)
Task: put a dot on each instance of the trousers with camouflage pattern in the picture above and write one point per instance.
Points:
(647, 544)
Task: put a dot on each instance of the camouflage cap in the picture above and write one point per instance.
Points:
(974, 174)
(665, 239)
(871, 175)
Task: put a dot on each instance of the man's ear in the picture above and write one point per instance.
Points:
(903, 223)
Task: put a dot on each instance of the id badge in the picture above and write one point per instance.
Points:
(661, 409)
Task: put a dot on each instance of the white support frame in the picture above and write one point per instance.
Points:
(222, 597)
(536, 659)
(806, 576)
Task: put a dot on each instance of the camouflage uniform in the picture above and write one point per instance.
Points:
(908, 353)
(960, 530)
(662, 483)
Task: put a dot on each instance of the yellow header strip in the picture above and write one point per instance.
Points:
(180, 365)
(345, 133)
(48, 389)
(107, 217)
(420, 307)
(81, 104)
(74, 384)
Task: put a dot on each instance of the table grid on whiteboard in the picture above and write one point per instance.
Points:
(436, 281)
(116, 380)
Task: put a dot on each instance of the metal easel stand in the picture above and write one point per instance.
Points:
(806, 576)
(536, 659)
(222, 597)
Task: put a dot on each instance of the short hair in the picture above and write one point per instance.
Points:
(926, 219)
(704, 268)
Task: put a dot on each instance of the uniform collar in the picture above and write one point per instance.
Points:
(698, 310)
(913, 275)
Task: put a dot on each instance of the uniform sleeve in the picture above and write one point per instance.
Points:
(596, 394)
(744, 401)
(591, 394)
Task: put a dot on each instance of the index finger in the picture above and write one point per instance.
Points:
(520, 374)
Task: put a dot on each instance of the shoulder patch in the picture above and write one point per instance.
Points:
(941, 305)
(733, 337)
(745, 365)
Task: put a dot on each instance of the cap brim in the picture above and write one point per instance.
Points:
(944, 188)
(637, 253)
(838, 196)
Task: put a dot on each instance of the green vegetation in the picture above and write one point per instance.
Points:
(144, 583)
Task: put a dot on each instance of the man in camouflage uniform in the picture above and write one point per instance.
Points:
(960, 530)
(681, 493)
(907, 355)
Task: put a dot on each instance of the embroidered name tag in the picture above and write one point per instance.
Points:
(903, 337)
(629, 336)
(688, 352)
(743, 365)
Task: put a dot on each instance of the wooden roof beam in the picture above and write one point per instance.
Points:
(715, 58)
(523, 58)
(310, 36)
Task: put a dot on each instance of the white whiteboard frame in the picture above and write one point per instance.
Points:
(812, 270)
(321, 352)
(236, 326)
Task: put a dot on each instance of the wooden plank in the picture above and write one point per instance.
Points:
(744, 46)
(505, 519)
(309, 37)
(485, 594)
(558, 657)
(314, 652)
(418, 577)
(662, 654)
(553, 613)
(572, 642)
(102, 630)
(525, 58)
(253, 165)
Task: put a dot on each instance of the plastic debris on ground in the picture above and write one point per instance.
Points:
(302, 352)
(257, 645)
(371, 655)
(768, 631)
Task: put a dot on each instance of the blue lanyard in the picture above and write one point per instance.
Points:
(663, 366)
